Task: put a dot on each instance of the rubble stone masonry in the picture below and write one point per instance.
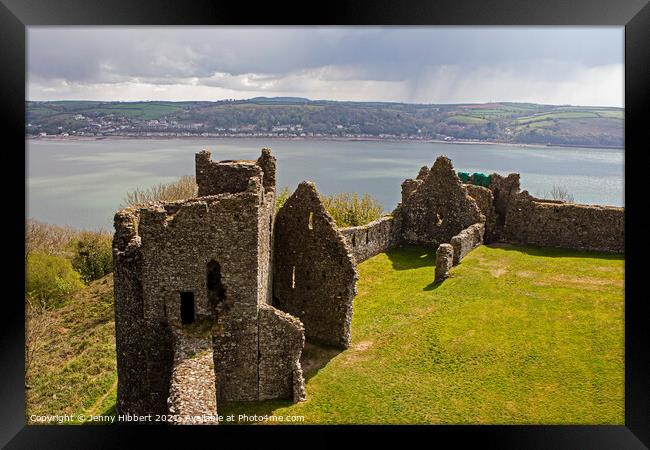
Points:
(314, 271)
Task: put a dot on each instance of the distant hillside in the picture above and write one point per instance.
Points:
(293, 116)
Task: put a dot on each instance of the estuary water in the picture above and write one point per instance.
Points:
(83, 182)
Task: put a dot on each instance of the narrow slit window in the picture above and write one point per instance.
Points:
(187, 308)
(311, 220)
(215, 288)
(367, 236)
(293, 278)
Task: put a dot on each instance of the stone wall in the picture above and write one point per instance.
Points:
(485, 202)
(192, 393)
(282, 338)
(564, 225)
(376, 237)
(437, 208)
(503, 190)
(144, 355)
(182, 243)
(467, 240)
(314, 271)
(208, 258)
(444, 262)
(220, 177)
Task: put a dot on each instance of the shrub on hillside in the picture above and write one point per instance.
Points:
(50, 279)
(93, 255)
(350, 210)
(182, 189)
(281, 198)
(48, 239)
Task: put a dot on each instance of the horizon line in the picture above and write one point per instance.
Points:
(320, 100)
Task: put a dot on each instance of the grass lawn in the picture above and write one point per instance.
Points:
(516, 335)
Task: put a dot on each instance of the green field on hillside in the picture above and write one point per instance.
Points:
(516, 335)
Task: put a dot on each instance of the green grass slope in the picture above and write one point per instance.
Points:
(516, 335)
(75, 373)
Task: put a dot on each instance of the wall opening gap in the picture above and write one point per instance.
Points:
(311, 220)
(215, 288)
(293, 277)
(187, 308)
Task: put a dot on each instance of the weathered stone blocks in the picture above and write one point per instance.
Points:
(192, 392)
(314, 271)
(467, 240)
(281, 338)
(438, 208)
(202, 260)
(548, 223)
(444, 261)
(371, 239)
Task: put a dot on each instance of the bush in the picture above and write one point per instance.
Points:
(281, 198)
(182, 189)
(348, 210)
(561, 193)
(49, 239)
(50, 280)
(93, 256)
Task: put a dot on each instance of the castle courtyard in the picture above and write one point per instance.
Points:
(515, 335)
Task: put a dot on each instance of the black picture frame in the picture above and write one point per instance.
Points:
(16, 15)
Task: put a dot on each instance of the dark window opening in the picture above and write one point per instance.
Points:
(216, 290)
(354, 240)
(367, 236)
(187, 308)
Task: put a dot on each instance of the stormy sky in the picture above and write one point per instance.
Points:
(551, 65)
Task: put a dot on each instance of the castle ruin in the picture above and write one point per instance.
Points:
(215, 295)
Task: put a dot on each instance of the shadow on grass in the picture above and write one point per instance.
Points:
(411, 257)
(314, 357)
(110, 411)
(433, 285)
(556, 252)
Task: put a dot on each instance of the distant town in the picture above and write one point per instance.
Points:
(302, 118)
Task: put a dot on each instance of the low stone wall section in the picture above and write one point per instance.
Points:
(281, 338)
(373, 238)
(467, 240)
(543, 223)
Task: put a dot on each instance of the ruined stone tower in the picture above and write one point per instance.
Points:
(193, 297)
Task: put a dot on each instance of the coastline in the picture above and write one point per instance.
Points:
(315, 138)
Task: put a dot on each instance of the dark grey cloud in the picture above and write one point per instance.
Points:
(270, 59)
